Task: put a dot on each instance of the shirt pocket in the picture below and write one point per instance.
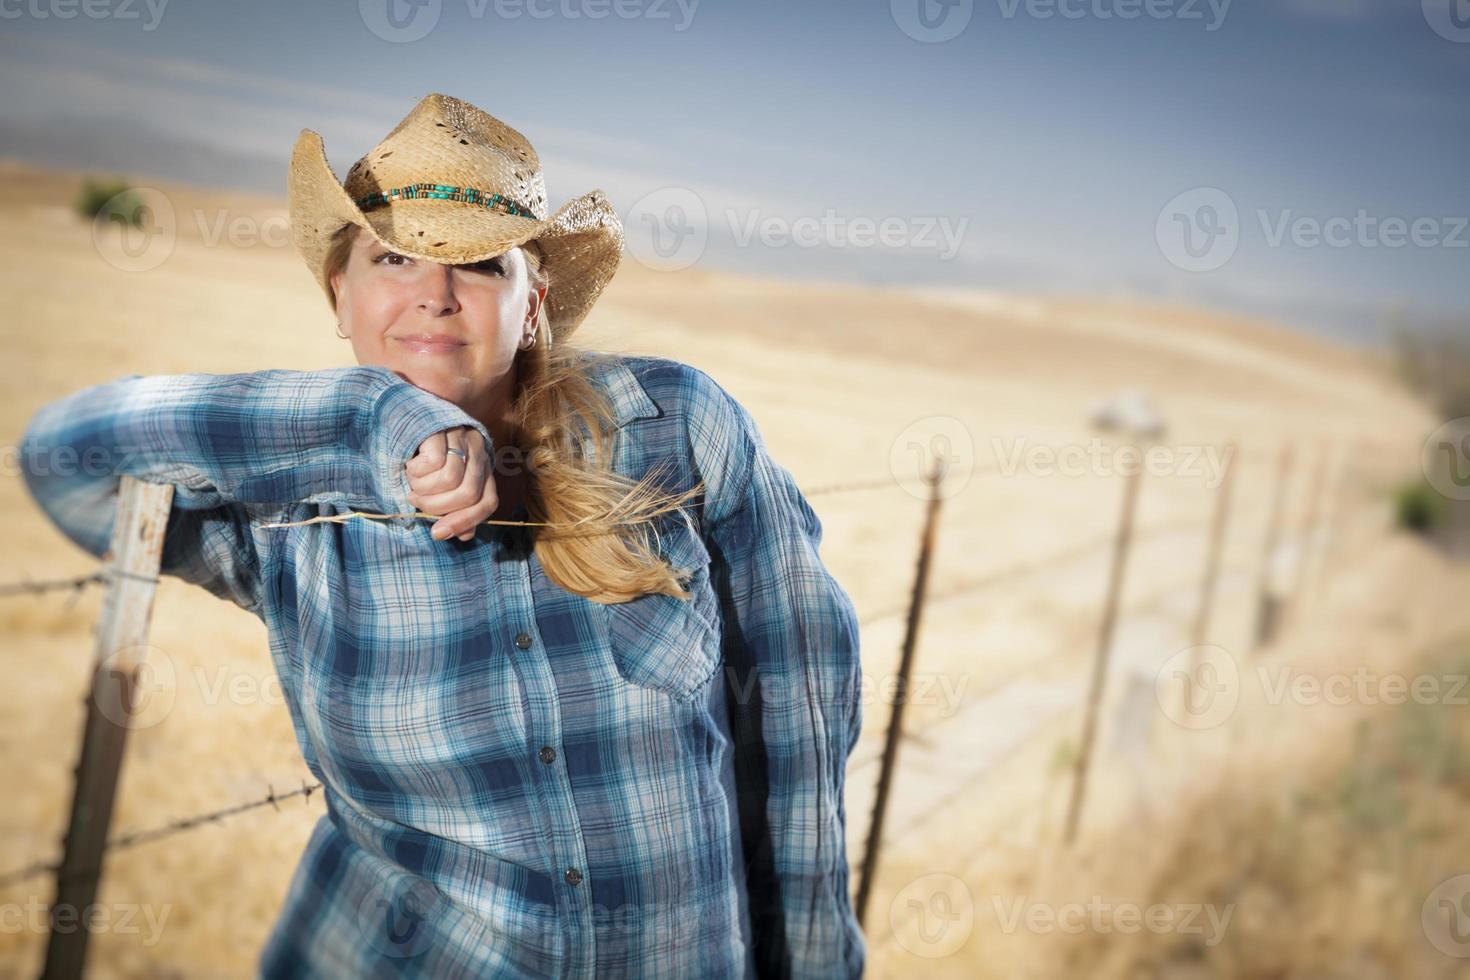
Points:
(663, 643)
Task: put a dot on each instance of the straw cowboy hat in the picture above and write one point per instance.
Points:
(453, 184)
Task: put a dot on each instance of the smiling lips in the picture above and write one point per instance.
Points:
(431, 343)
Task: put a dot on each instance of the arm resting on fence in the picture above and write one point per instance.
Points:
(234, 446)
(794, 675)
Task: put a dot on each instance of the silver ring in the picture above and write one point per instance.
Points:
(461, 454)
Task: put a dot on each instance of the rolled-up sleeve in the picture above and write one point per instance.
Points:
(236, 447)
(793, 675)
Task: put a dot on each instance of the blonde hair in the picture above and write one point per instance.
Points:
(611, 555)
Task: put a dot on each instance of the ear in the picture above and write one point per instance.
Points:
(534, 299)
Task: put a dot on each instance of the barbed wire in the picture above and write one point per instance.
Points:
(272, 798)
(76, 585)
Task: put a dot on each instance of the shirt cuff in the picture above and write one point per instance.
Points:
(403, 417)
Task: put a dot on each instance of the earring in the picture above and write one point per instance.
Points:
(529, 342)
(339, 330)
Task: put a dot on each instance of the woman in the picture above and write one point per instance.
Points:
(605, 738)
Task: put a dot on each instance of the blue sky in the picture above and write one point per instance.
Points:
(1048, 145)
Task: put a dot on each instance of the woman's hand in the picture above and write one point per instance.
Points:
(461, 491)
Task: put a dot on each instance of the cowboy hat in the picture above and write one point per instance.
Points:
(453, 184)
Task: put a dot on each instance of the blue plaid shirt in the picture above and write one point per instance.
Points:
(518, 781)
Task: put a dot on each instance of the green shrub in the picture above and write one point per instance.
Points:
(109, 199)
(1419, 507)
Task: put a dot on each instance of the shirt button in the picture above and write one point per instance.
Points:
(548, 754)
(523, 640)
(573, 876)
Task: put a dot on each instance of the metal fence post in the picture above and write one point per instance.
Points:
(1104, 650)
(895, 721)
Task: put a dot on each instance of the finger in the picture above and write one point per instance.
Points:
(467, 493)
(470, 518)
(463, 516)
(448, 474)
(430, 455)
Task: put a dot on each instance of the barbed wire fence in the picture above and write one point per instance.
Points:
(1324, 526)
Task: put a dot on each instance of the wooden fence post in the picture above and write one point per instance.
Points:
(122, 635)
(905, 665)
(1215, 550)
(1104, 650)
(1267, 604)
(1331, 519)
(1309, 533)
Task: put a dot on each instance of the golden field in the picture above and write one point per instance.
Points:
(849, 384)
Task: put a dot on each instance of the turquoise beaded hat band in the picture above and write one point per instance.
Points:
(444, 192)
(492, 176)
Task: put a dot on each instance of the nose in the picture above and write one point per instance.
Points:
(436, 290)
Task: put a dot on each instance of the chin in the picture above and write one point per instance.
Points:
(444, 384)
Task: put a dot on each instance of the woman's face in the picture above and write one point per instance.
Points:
(450, 329)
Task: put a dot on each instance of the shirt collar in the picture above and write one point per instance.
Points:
(630, 399)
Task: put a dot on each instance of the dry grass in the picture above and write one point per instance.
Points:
(835, 375)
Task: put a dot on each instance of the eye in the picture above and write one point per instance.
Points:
(385, 258)
(495, 266)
